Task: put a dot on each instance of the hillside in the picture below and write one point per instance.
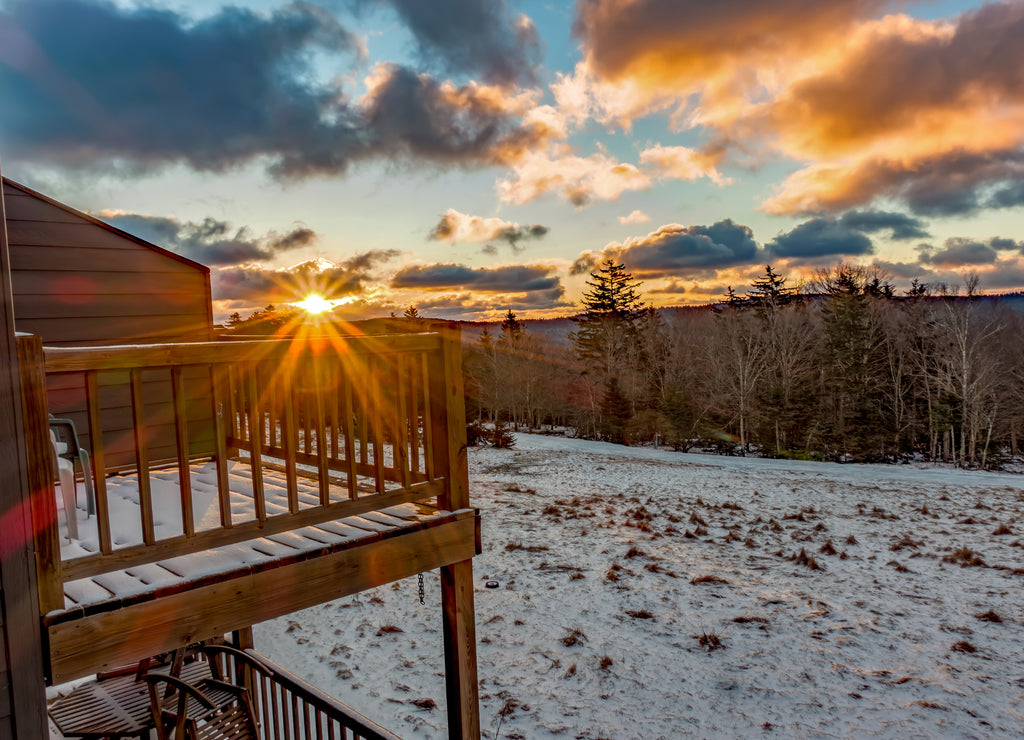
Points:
(651, 594)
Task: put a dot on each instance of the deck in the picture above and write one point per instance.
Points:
(237, 482)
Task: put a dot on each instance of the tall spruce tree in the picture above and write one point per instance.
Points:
(612, 314)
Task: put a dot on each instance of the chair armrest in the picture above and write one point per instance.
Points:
(210, 652)
(184, 687)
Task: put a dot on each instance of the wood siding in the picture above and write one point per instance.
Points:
(78, 282)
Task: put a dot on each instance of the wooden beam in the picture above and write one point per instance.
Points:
(459, 627)
(84, 646)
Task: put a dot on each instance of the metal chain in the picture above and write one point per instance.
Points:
(423, 600)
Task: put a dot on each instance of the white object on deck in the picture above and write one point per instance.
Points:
(68, 489)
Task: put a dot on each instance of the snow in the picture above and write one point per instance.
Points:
(596, 627)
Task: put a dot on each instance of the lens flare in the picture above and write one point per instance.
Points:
(314, 304)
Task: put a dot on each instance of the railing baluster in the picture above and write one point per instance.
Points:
(221, 407)
(142, 456)
(428, 418)
(362, 412)
(255, 422)
(290, 439)
(99, 479)
(181, 442)
(414, 423)
(322, 450)
(376, 422)
(401, 417)
(350, 443)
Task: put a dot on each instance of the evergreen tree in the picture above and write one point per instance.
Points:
(612, 312)
(511, 327)
(614, 413)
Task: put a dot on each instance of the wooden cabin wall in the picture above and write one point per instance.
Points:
(77, 282)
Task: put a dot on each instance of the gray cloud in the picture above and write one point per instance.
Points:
(215, 94)
(820, 237)
(674, 248)
(900, 225)
(455, 226)
(585, 263)
(510, 279)
(1008, 196)
(210, 241)
(471, 37)
(260, 285)
(958, 251)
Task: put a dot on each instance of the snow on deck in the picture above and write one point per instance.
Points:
(126, 528)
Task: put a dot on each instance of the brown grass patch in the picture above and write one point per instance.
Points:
(709, 579)
(966, 557)
(575, 636)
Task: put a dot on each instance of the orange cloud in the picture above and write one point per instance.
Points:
(647, 55)
(927, 112)
(578, 179)
(635, 217)
(602, 177)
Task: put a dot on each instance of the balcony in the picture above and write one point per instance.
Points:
(237, 482)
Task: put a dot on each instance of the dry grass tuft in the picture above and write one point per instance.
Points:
(966, 557)
(710, 640)
(802, 558)
(516, 488)
(1000, 530)
(709, 579)
(639, 614)
(389, 629)
(963, 647)
(426, 705)
(745, 619)
(989, 616)
(906, 541)
(606, 663)
(574, 637)
(513, 546)
(828, 548)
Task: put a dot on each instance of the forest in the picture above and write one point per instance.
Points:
(837, 368)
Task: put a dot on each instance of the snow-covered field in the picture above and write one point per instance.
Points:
(652, 594)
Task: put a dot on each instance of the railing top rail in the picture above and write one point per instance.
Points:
(322, 701)
(80, 359)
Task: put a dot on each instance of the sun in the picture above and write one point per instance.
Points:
(314, 304)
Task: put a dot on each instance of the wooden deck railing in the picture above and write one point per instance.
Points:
(288, 708)
(366, 417)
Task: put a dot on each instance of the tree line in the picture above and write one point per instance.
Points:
(837, 368)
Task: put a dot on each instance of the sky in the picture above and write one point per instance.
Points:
(469, 157)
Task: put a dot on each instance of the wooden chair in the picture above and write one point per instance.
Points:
(210, 709)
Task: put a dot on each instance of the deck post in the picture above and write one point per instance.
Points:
(39, 471)
(458, 618)
(22, 698)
